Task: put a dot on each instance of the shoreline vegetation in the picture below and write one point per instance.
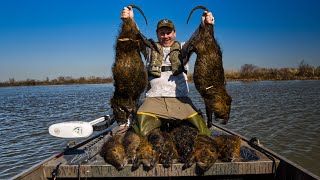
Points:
(247, 72)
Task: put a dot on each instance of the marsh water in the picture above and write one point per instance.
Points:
(284, 115)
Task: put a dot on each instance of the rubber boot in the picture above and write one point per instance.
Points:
(199, 123)
(146, 123)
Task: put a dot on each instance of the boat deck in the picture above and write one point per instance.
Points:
(85, 161)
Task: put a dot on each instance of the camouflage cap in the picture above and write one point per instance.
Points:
(165, 23)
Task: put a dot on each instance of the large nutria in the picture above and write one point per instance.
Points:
(205, 153)
(131, 142)
(113, 152)
(184, 138)
(169, 152)
(229, 147)
(129, 73)
(145, 156)
(156, 138)
(163, 143)
(208, 75)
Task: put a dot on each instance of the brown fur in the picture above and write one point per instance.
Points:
(205, 154)
(156, 138)
(163, 143)
(113, 152)
(229, 147)
(169, 153)
(129, 74)
(208, 74)
(184, 137)
(146, 156)
(131, 142)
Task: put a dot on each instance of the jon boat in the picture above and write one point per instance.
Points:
(83, 161)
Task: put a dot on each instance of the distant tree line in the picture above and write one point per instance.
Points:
(247, 72)
(250, 72)
(61, 80)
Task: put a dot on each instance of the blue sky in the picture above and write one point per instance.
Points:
(51, 38)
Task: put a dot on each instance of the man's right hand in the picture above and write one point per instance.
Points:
(127, 13)
(207, 18)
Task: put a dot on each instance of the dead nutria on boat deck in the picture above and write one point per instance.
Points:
(121, 149)
(163, 143)
(229, 147)
(114, 152)
(205, 154)
(146, 155)
(129, 74)
(208, 72)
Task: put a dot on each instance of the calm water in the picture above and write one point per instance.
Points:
(284, 115)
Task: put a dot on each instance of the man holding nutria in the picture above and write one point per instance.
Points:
(167, 94)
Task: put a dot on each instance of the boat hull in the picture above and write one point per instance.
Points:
(84, 161)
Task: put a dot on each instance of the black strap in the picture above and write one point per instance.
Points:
(108, 122)
(166, 68)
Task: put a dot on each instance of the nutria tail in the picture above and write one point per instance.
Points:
(149, 43)
(136, 7)
(195, 8)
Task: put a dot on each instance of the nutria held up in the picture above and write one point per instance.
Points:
(208, 72)
(129, 73)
